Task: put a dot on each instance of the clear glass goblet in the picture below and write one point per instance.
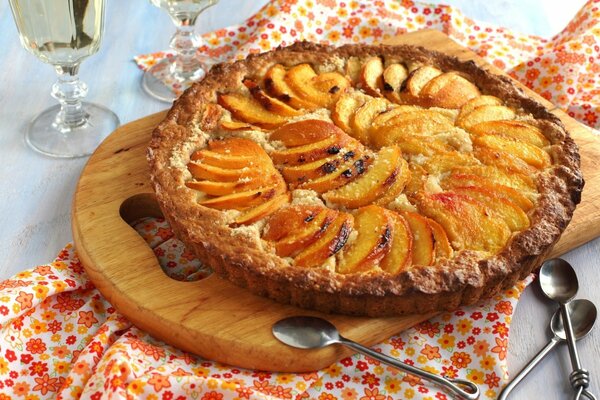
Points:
(63, 34)
(168, 78)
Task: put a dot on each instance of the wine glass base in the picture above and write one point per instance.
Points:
(79, 141)
(159, 82)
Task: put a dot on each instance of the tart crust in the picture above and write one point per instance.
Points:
(243, 258)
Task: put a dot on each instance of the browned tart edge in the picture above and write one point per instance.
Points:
(462, 280)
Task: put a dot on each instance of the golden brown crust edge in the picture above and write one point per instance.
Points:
(462, 280)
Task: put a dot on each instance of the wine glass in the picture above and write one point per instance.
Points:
(169, 77)
(63, 34)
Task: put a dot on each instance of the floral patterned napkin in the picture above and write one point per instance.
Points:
(60, 338)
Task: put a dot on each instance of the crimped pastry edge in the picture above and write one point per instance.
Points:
(462, 280)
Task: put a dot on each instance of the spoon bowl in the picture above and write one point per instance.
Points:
(558, 280)
(583, 315)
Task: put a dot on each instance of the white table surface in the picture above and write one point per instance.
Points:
(36, 191)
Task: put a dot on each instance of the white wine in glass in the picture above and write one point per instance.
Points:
(63, 33)
(166, 79)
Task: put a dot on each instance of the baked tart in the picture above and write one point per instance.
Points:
(364, 180)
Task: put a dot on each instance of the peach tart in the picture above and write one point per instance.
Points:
(364, 180)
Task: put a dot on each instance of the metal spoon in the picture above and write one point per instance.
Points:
(559, 283)
(583, 315)
(314, 333)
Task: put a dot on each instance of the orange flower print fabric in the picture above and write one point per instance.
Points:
(59, 338)
(563, 69)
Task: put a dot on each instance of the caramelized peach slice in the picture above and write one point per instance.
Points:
(483, 114)
(304, 132)
(345, 107)
(448, 90)
(458, 180)
(531, 154)
(263, 210)
(210, 173)
(212, 188)
(371, 76)
(353, 69)
(496, 175)
(321, 90)
(469, 223)
(423, 145)
(440, 163)
(374, 229)
(290, 220)
(346, 172)
(250, 110)
(312, 151)
(385, 118)
(222, 160)
(363, 118)
(515, 217)
(472, 104)
(443, 249)
(298, 174)
(335, 237)
(394, 76)
(399, 257)
(243, 200)
(423, 250)
(269, 103)
(387, 167)
(395, 188)
(514, 129)
(235, 146)
(277, 86)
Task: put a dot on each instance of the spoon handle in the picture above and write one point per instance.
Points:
(453, 385)
(566, 319)
(528, 368)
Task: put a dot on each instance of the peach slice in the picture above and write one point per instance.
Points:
(270, 103)
(416, 183)
(345, 108)
(263, 210)
(503, 160)
(312, 151)
(387, 167)
(235, 126)
(277, 86)
(298, 174)
(448, 90)
(244, 200)
(363, 118)
(234, 146)
(335, 237)
(515, 217)
(211, 173)
(371, 76)
(396, 188)
(385, 118)
(351, 169)
(440, 163)
(531, 154)
(290, 220)
(457, 180)
(514, 129)
(472, 104)
(418, 78)
(443, 249)
(423, 250)
(418, 123)
(483, 114)
(249, 110)
(222, 160)
(304, 132)
(353, 69)
(423, 145)
(321, 90)
(394, 76)
(222, 188)
(399, 257)
(374, 229)
(497, 176)
(469, 223)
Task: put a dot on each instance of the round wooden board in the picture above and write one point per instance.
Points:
(210, 317)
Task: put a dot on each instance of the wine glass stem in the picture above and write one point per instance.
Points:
(185, 42)
(69, 91)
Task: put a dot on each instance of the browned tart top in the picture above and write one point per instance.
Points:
(373, 180)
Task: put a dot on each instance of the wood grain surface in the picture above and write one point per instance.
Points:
(211, 317)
